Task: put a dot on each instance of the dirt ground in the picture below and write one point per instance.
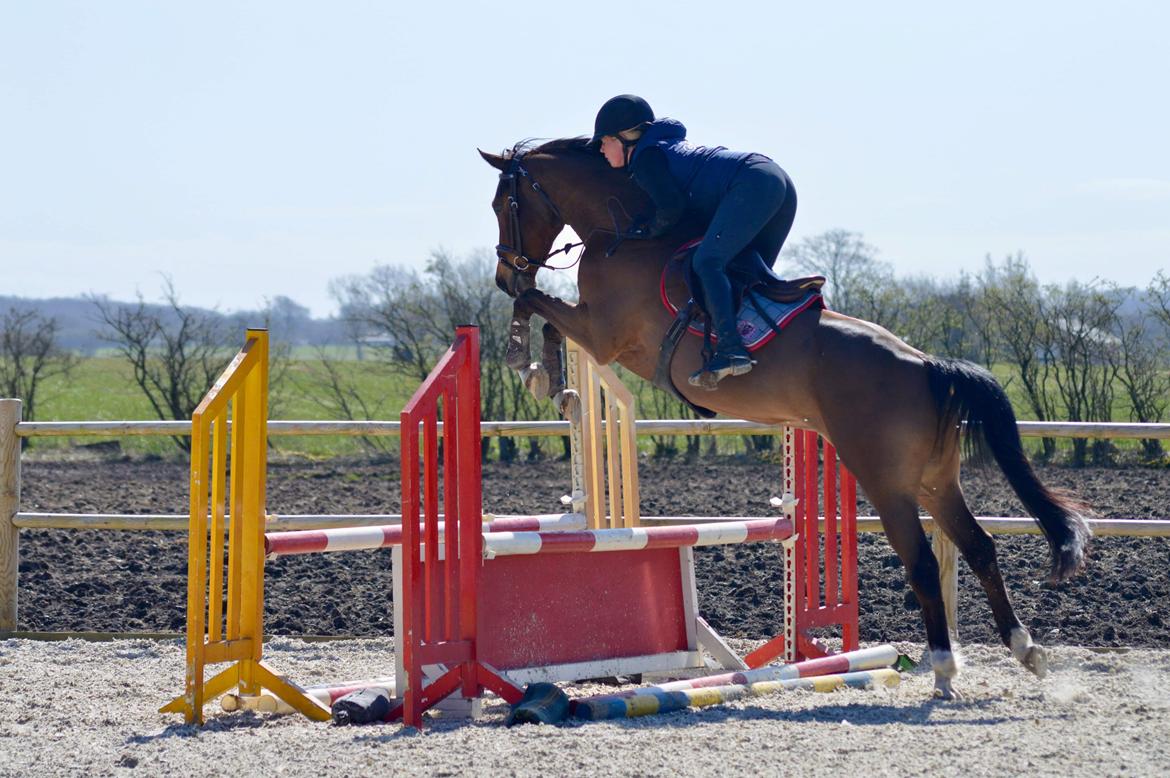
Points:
(134, 581)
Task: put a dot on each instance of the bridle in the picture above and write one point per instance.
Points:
(513, 256)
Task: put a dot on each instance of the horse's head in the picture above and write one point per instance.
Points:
(529, 223)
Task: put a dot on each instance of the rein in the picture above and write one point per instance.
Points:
(513, 255)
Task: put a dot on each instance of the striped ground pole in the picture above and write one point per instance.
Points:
(316, 541)
(873, 658)
(650, 701)
(497, 544)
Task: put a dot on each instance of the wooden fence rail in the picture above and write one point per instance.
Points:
(536, 429)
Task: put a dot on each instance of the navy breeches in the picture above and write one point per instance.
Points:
(756, 213)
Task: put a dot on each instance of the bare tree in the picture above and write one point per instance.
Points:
(29, 356)
(388, 310)
(1139, 363)
(1018, 323)
(1158, 297)
(856, 281)
(176, 352)
(1082, 317)
(406, 319)
(1143, 341)
(974, 339)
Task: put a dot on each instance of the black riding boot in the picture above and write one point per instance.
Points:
(730, 357)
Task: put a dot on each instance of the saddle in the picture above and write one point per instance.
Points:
(765, 301)
(748, 272)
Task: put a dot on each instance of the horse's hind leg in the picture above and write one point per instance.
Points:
(946, 504)
(899, 515)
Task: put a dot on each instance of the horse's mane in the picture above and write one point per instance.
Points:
(558, 147)
(588, 161)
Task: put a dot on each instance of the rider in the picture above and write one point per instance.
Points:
(747, 200)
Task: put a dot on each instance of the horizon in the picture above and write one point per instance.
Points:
(263, 151)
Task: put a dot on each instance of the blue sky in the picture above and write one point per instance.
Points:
(255, 149)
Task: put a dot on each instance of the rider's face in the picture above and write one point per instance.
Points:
(614, 151)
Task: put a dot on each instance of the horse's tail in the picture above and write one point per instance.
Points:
(966, 393)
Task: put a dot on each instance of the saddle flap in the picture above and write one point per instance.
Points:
(750, 271)
(765, 305)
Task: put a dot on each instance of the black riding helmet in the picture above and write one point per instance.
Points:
(619, 113)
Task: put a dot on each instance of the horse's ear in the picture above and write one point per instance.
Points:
(495, 160)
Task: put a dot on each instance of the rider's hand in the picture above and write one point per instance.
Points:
(639, 230)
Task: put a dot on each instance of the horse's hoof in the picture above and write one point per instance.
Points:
(946, 666)
(1036, 660)
(536, 380)
(1028, 653)
(569, 404)
(944, 691)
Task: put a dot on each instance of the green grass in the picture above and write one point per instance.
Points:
(102, 389)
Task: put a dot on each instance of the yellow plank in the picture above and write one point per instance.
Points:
(218, 509)
(631, 493)
(613, 455)
(228, 651)
(291, 693)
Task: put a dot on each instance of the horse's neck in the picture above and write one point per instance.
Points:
(586, 193)
(620, 290)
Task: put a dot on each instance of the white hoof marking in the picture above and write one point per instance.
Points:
(1028, 653)
(946, 666)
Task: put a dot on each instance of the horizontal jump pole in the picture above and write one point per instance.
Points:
(873, 658)
(635, 539)
(649, 701)
(385, 536)
(996, 525)
(560, 428)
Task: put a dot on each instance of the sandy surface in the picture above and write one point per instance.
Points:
(73, 708)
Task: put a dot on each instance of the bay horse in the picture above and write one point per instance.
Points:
(898, 417)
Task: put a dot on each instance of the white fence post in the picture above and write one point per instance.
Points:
(9, 504)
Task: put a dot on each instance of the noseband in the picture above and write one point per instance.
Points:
(513, 256)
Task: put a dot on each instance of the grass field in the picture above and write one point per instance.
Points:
(103, 389)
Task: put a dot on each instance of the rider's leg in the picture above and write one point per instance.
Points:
(771, 238)
(755, 196)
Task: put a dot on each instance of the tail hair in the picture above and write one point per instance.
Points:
(968, 395)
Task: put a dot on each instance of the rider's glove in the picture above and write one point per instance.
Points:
(639, 230)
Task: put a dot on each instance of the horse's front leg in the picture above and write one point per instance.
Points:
(551, 359)
(561, 320)
(568, 401)
(519, 354)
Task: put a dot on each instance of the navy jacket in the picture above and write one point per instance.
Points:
(680, 177)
